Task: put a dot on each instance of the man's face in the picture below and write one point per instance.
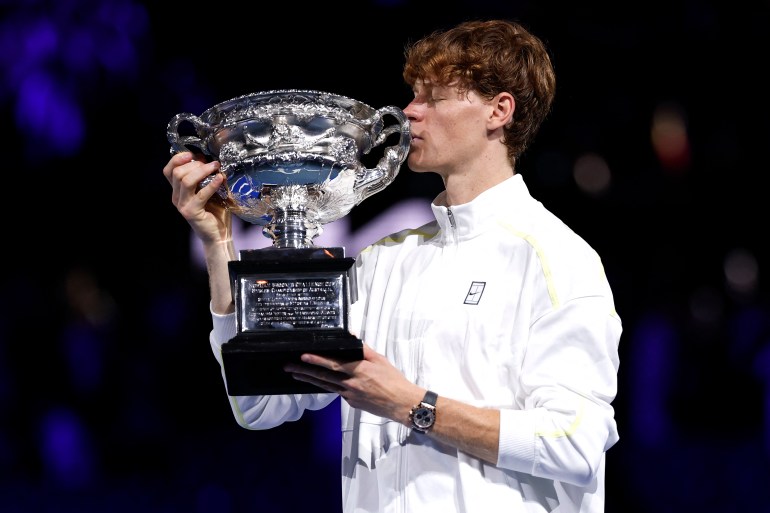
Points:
(448, 128)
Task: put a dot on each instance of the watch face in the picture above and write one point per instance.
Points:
(423, 418)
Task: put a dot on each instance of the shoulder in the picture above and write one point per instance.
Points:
(569, 263)
(402, 239)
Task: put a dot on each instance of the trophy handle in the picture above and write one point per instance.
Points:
(377, 178)
(180, 143)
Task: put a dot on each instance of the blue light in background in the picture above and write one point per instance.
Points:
(55, 57)
(51, 118)
(68, 455)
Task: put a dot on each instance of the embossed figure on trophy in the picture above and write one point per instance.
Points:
(284, 136)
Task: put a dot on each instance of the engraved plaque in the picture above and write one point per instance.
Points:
(287, 302)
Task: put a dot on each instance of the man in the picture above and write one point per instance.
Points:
(490, 357)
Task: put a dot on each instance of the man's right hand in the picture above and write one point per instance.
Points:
(210, 219)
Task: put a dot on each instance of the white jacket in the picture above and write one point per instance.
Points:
(499, 304)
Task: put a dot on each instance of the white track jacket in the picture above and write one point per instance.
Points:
(499, 304)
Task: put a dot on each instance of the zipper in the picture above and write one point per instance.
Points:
(451, 218)
(452, 227)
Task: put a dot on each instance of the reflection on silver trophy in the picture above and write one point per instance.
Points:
(293, 161)
(292, 158)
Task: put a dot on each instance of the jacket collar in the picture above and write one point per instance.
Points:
(473, 217)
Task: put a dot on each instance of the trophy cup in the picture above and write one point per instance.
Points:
(293, 161)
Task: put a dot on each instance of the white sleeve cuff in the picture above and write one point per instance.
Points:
(516, 450)
(224, 329)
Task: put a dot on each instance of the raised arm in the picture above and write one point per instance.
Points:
(209, 219)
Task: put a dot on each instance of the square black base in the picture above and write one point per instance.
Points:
(254, 362)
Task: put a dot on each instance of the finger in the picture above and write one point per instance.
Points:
(318, 370)
(175, 161)
(320, 383)
(369, 353)
(321, 361)
(178, 167)
(188, 177)
(192, 173)
(186, 170)
(205, 193)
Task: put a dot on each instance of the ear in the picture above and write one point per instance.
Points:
(503, 106)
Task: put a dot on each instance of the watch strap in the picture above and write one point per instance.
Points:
(430, 398)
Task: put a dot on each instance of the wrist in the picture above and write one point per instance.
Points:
(422, 416)
(216, 248)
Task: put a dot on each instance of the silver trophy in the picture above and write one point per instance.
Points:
(293, 161)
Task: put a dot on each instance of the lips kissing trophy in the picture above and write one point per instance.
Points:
(292, 160)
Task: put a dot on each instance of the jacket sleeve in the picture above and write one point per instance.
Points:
(265, 411)
(568, 381)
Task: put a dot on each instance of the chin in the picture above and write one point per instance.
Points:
(415, 165)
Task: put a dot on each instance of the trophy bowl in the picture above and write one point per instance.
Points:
(292, 158)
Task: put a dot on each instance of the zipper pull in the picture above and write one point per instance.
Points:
(451, 218)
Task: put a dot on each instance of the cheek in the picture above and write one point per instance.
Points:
(452, 128)
(465, 130)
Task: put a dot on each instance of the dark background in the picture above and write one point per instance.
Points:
(110, 398)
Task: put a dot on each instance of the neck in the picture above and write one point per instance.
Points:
(466, 184)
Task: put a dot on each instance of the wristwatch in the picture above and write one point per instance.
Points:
(423, 415)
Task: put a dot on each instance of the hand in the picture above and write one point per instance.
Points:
(372, 384)
(210, 219)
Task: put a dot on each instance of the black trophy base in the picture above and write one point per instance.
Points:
(254, 362)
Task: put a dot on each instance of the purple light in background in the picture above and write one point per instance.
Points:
(54, 57)
(327, 438)
(25, 46)
(39, 42)
(761, 369)
(77, 51)
(84, 352)
(652, 355)
(49, 116)
(116, 48)
(66, 450)
(166, 313)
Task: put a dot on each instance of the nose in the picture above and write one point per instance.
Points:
(411, 111)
